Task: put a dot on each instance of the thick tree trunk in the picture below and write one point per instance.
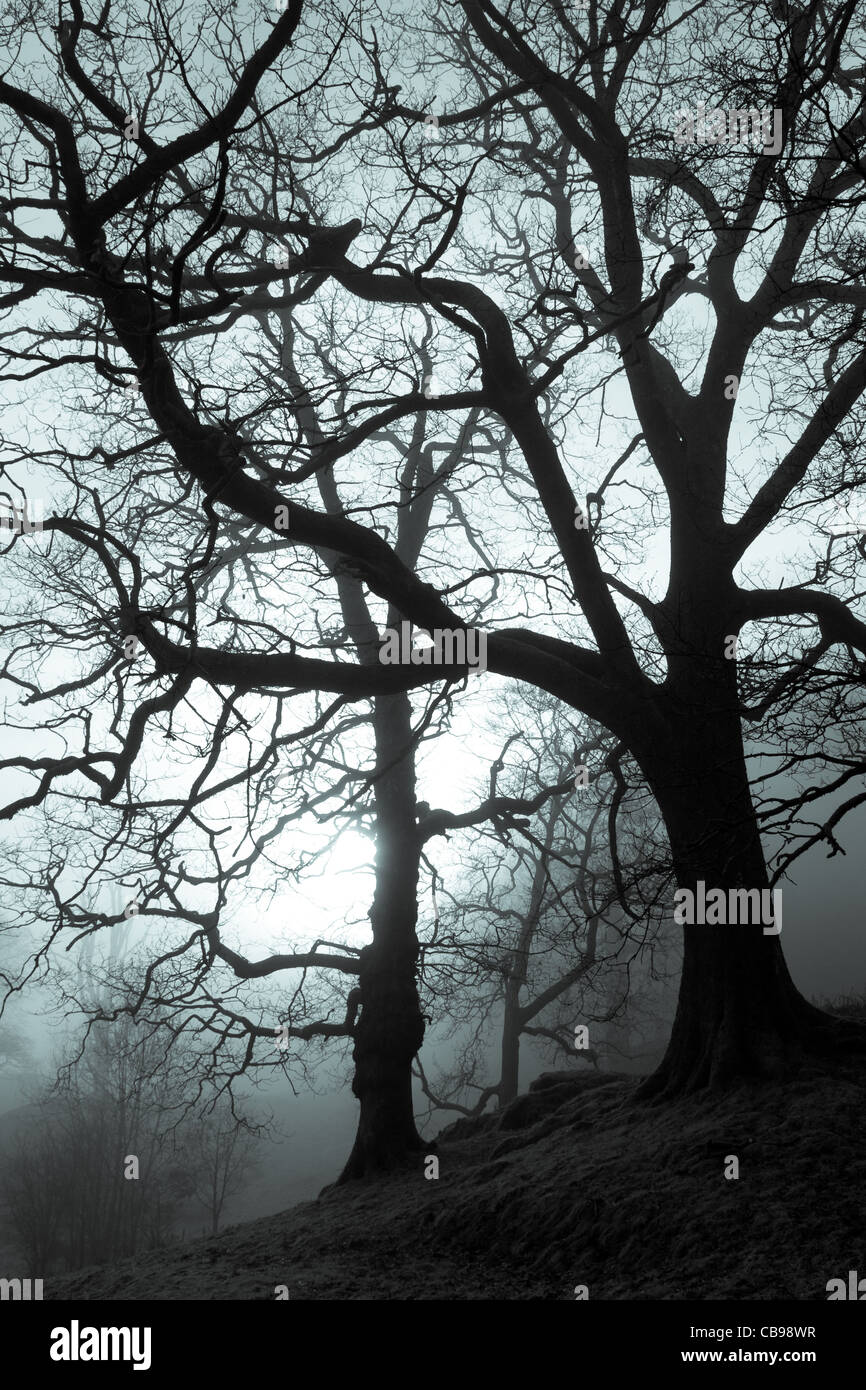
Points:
(739, 1014)
(390, 1026)
(389, 1032)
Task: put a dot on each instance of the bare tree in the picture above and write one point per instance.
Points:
(118, 1146)
(544, 926)
(221, 1156)
(140, 249)
(92, 1177)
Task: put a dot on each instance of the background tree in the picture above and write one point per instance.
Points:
(222, 1156)
(117, 1148)
(545, 924)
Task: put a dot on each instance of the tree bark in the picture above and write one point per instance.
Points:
(739, 1014)
(390, 1027)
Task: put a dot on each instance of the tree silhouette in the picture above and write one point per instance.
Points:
(602, 400)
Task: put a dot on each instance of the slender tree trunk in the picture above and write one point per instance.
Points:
(739, 1014)
(511, 1024)
(515, 1015)
(214, 1189)
(616, 1032)
(390, 1027)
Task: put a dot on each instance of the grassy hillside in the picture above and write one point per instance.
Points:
(573, 1184)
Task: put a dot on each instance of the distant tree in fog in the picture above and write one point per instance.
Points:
(220, 1157)
(537, 936)
(112, 1153)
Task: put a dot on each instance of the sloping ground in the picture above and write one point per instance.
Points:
(572, 1185)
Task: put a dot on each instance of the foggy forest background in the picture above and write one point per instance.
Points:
(322, 318)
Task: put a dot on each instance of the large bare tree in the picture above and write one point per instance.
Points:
(511, 176)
